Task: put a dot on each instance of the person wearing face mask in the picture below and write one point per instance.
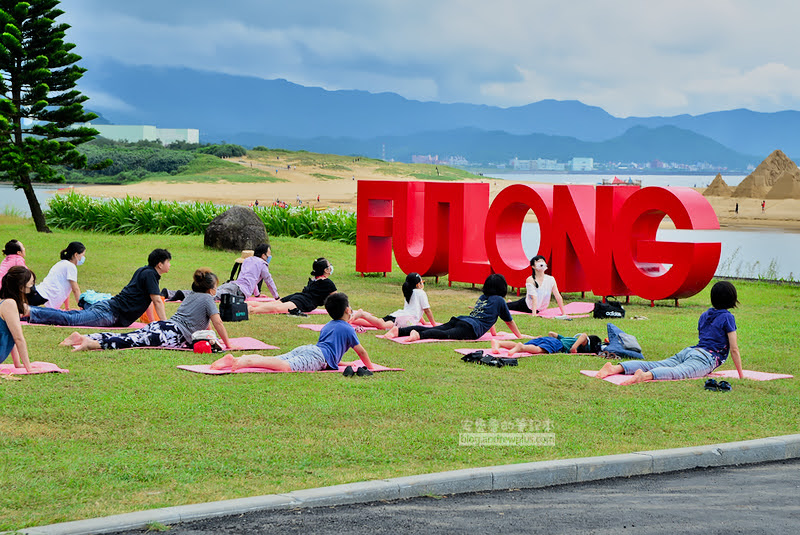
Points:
(313, 295)
(17, 284)
(63, 277)
(193, 315)
(539, 287)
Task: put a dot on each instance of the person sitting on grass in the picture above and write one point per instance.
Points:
(312, 296)
(717, 336)
(552, 343)
(488, 308)
(416, 304)
(122, 309)
(336, 337)
(194, 314)
(17, 283)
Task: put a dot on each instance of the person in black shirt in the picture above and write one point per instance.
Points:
(313, 295)
(122, 309)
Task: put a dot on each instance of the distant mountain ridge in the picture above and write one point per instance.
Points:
(275, 112)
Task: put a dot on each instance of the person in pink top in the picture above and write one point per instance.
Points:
(15, 256)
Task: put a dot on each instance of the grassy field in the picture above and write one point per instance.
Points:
(126, 430)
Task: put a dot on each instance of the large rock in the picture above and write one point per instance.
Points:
(236, 229)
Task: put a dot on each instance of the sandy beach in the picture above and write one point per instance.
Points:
(341, 192)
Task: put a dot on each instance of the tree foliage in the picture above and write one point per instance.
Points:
(38, 101)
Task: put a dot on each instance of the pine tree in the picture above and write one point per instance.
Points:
(38, 101)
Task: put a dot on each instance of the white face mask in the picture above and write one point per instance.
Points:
(81, 260)
(331, 266)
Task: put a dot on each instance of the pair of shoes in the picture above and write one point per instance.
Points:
(361, 371)
(297, 312)
(607, 355)
(498, 361)
(722, 386)
(475, 356)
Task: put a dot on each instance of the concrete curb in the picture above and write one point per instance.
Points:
(526, 475)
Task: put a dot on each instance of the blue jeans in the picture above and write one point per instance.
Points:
(97, 315)
(688, 363)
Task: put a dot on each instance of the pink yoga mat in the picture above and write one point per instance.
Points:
(43, 367)
(244, 343)
(318, 327)
(132, 327)
(315, 311)
(504, 353)
(501, 335)
(727, 374)
(206, 369)
(576, 309)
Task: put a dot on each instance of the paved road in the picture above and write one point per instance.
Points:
(761, 498)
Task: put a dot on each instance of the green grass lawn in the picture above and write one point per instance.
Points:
(126, 431)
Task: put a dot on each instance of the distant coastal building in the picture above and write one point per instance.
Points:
(522, 165)
(550, 165)
(582, 164)
(134, 133)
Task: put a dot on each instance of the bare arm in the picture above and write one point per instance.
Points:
(558, 297)
(364, 356)
(19, 353)
(429, 314)
(582, 339)
(514, 329)
(216, 321)
(737, 358)
(76, 291)
(158, 305)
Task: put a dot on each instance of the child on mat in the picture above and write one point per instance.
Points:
(336, 337)
(312, 296)
(194, 314)
(14, 253)
(411, 314)
(17, 284)
(717, 336)
(488, 308)
(552, 343)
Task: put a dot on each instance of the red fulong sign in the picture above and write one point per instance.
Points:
(596, 238)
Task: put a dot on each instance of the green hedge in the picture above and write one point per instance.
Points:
(132, 215)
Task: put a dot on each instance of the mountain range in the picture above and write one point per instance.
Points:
(276, 113)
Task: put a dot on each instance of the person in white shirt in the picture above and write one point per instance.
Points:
(538, 290)
(416, 304)
(63, 277)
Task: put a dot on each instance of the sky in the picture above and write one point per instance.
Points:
(629, 57)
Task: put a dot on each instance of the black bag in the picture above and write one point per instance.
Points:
(232, 308)
(608, 310)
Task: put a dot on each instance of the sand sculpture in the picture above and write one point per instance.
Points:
(759, 184)
(718, 188)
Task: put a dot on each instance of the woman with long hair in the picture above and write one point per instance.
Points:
(17, 283)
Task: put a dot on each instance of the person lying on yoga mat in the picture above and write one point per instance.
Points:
(253, 271)
(122, 309)
(17, 283)
(717, 336)
(552, 343)
(538, 289)
(194, 314)
(14, 253)
(312, 296)
(489, 306)
(336, 337)
(416, 304)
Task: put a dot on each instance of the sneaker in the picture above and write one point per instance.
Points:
(297, 312)
(363, 371)
(348, 372)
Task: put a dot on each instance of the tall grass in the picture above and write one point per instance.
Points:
(132, 215)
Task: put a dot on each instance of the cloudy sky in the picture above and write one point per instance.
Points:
(630, 57)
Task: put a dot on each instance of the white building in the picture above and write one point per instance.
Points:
(134, 133)
(582, 164)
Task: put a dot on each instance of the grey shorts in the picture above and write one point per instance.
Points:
(307, 358)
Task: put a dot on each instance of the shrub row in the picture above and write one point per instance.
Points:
(132, 215)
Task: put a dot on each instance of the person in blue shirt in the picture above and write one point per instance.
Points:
(488, 308)
(336, 337)
(716, 337)
(552, 343)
